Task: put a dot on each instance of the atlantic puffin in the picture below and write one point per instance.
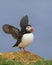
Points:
(24, 36)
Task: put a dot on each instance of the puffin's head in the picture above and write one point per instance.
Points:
(29, 29)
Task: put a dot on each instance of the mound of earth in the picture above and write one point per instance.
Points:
(23, 57)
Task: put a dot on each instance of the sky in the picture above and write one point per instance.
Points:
(40, 17)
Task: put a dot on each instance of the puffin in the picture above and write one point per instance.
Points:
(24, 35)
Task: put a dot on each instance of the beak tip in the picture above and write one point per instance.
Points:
(32, 30)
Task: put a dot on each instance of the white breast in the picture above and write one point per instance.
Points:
(26, 40)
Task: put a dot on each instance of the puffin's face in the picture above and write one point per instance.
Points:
(29, 28)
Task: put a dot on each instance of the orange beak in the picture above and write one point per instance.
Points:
(32, 29)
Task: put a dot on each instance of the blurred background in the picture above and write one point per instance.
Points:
(40, 17)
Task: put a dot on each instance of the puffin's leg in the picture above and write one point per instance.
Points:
(24, 50)
(20, 49)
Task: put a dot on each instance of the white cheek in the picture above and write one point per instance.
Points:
(28, 29)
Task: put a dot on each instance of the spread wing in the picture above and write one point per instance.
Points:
(12, 30)
(24, 21)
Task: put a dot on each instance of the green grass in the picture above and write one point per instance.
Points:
(14, 62)
(9, 62)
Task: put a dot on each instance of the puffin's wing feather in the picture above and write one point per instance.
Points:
(24, 21)
(12, 30)
(7, 28)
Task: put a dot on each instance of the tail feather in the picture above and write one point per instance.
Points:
(17, 43)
